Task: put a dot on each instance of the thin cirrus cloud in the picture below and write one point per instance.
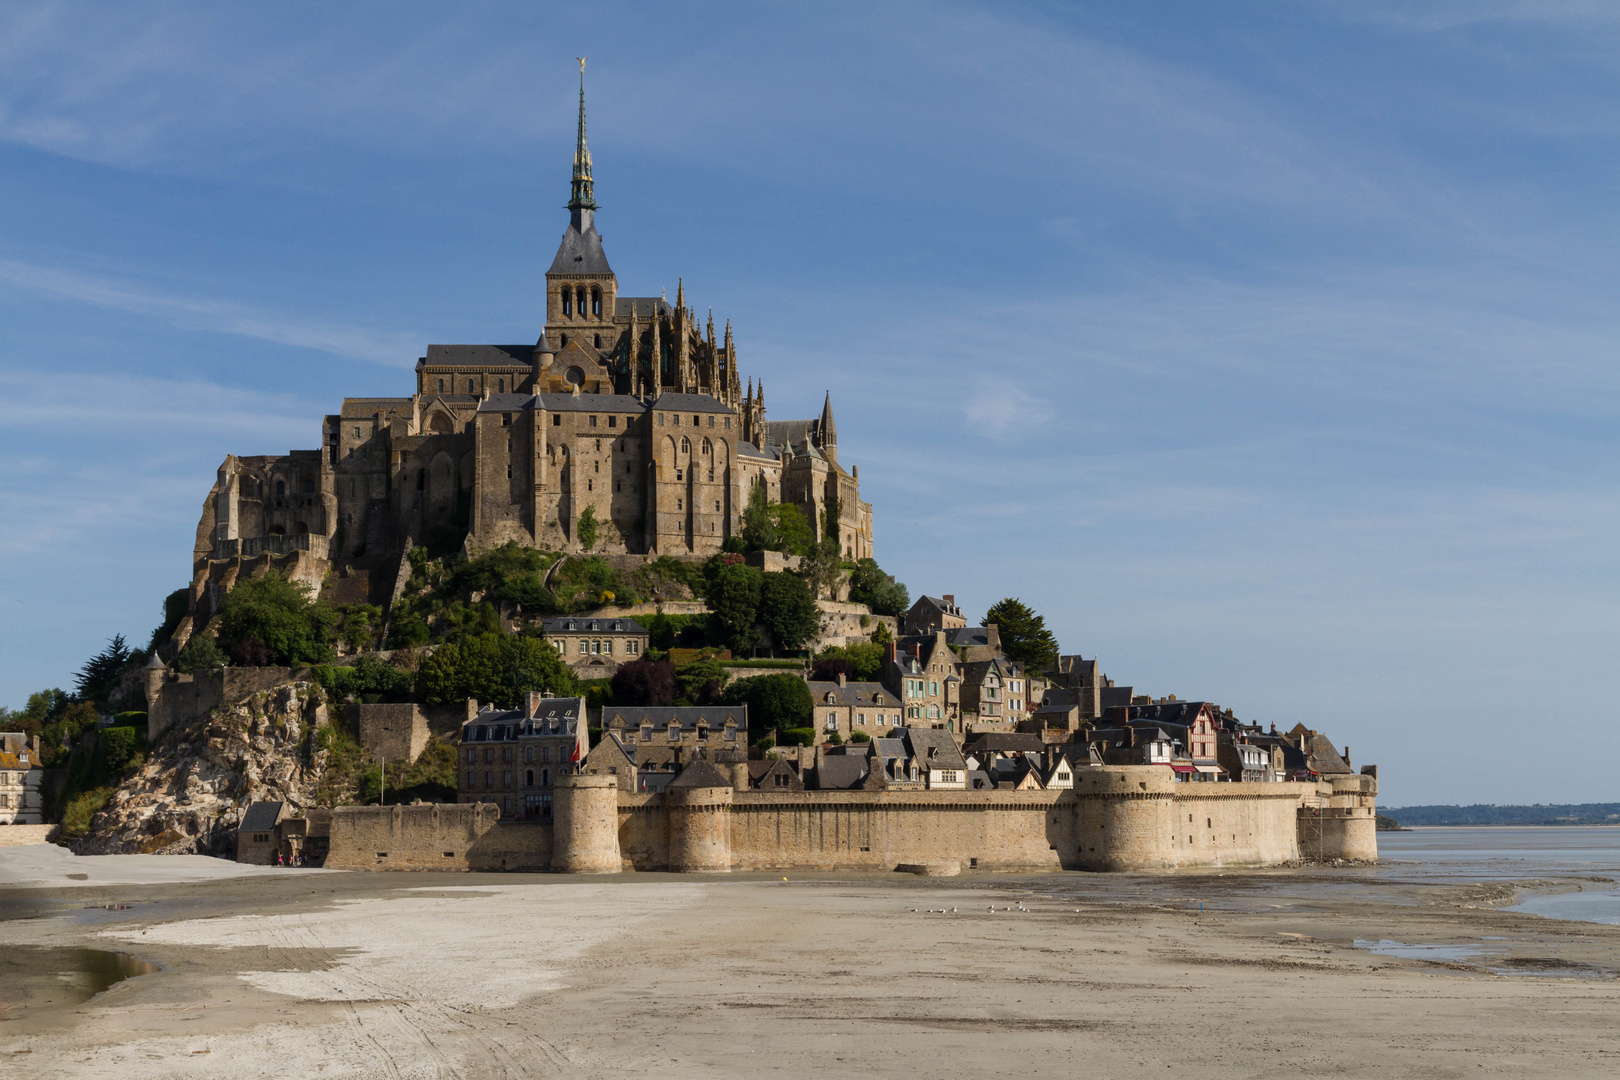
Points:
(213, 315)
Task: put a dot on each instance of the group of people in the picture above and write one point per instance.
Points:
(293, 860)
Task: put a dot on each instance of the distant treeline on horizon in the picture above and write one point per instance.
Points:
(1487, 814)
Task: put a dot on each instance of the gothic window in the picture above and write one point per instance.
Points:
(708, 449)
(686, 445)
(596, 310)
(281, 488)
(564, 341)
(567, 302)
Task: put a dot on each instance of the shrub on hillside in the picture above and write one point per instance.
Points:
(282, 616)
(644, 682)
(493, 668)
(774, 701)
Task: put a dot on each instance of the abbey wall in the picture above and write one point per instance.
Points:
(1116, 819)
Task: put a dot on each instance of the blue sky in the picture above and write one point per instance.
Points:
(1268, 349)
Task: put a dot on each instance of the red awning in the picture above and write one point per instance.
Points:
(1184, 768)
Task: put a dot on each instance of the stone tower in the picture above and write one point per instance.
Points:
(581, 289)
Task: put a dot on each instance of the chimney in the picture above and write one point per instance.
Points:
(992, 635)
(889, 653)
(1347, 753)
(472, 708)
(950, 600)
(533, 703)
(843, 679)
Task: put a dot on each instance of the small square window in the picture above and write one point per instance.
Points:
(556, 419)
(613, 421)
(593, 421)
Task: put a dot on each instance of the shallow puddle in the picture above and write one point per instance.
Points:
(36, 978)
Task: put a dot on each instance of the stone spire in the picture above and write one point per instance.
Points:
(828, 429)
(582, 200)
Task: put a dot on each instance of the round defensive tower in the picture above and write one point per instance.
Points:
(1124, 817)
(699, 806)
(585, 825)
(1349, 823)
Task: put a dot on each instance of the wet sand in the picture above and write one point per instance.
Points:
(326, 974)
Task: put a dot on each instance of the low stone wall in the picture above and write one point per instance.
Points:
(19, 835)
(1117, 818)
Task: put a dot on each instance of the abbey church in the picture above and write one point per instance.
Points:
(629, 416)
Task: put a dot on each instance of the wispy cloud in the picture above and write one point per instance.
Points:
(213, 315)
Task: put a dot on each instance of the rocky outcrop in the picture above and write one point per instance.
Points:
(203, 774)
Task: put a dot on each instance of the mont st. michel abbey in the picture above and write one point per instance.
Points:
(628, 413)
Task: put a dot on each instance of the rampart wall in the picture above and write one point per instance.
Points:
(1125, 818)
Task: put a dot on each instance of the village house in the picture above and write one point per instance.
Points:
(21, 802)
(667, 737)
(774, 774)
(892, 761)
(923, 671)
(845, 707)
(512, 758)
(939, 760)
(931, 614)
(257, 842)
(594, 648)
(994, 695)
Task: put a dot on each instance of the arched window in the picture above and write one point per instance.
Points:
(686, 448)
(500, 386)
(281, 488)
(579, 294)
(567, 302)
(708, 448)
(596, 305)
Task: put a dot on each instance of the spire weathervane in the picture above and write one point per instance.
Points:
(583, 193)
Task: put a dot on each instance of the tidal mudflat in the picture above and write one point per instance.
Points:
(1279, 973)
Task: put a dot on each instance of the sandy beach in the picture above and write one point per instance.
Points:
(328, 974)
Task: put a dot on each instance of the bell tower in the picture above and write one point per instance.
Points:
(580, 286)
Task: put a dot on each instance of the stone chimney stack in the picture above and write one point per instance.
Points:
(533, 703)
(950, 599)
(843, 680)
(992, 636)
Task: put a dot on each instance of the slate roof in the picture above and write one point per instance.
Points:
(261, 817)
(690, 403)
(573, 624)
(1010, 742)
(580, 253)
(840, 772)
(553, 716)
(749, 450)
(699, 773)
(789, 433)
(480, 356)
(660, 716)
(855, 693)
(603, 403)
(964, 636)
(645, 306)
(935, 749)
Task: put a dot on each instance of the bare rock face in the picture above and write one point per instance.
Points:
(200, 778)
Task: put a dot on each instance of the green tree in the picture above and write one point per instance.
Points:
(759, 526)
(821, 570)
(734, 597)
(788, 610)
(830, 514)
(869, 585)
(780, 701)
(700, 681)
(200, 654)
(494, 668)
(864, 660)
(99, 675)
(283, 615)
(644, 682)
(587, 528)
(793, 529)
(1024, 636)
